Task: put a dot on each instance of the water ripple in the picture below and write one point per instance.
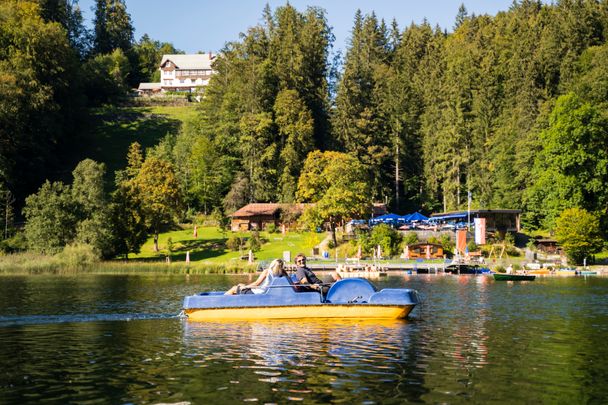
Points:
(50, 319)
(65, 340)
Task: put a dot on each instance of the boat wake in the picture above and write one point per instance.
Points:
(72, 318)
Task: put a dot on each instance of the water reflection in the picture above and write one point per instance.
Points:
(323, 359)
(472, 340)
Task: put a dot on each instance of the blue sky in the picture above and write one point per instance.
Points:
(203, 25)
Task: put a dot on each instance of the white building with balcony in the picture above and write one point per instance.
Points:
(182, 73)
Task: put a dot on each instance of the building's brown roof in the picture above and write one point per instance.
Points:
(256, 209)
(475, 212)
(424, 244)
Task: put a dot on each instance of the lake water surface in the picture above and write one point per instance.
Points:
(117, 339)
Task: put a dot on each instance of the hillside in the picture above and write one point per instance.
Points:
(112, 129)
(210, 245)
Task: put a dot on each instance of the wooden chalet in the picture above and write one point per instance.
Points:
(549, 246)
(259, 215)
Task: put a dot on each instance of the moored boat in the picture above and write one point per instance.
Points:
(348, 298)
(540, 272)
(465, 268)
(513, 277)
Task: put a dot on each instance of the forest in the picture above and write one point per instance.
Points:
(509, 109)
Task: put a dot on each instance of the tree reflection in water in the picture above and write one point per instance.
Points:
(316, 360)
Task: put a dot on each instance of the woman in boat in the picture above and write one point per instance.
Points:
(259, 286)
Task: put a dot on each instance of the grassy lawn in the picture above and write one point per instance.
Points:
(112, 129)
(210, 246)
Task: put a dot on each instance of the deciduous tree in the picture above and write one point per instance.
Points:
(578, 233)
(157, 190)
(51, 218)
(336, 183)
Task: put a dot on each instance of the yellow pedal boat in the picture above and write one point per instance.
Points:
(352, 298)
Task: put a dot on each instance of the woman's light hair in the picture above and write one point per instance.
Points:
(276, 267)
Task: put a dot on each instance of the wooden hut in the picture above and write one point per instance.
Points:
(425, 250)
(259, 215)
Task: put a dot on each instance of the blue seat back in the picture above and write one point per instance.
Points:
(350, 290)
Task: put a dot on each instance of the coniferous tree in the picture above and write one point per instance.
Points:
(357, 122)
(113, 27)
(68, 14)
(287, 55)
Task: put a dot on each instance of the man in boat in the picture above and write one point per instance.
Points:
(304, 275)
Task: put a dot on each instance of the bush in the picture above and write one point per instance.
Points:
(385, 236)
(254, 243)
(447, 243)
(235, 242)
(14, 244)
(271, 228)
(472, 246)
(77, 256)
(500, 269)
(410, 238)
(512, 251)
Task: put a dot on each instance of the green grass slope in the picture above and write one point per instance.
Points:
(210, 245)
(112, 129)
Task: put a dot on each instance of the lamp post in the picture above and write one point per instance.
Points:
(469, 211)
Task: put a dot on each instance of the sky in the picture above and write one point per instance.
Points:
(203, 25)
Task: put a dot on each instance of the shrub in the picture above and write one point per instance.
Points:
(472, 246)
(385, 236)
(235, 242)
(14, 244)
(271, 228)
(447, 243)
(410, 238)
(499, 269)
(512, 251)
(77, 256)
(254, 243)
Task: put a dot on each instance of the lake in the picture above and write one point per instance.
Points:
(117, 339)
